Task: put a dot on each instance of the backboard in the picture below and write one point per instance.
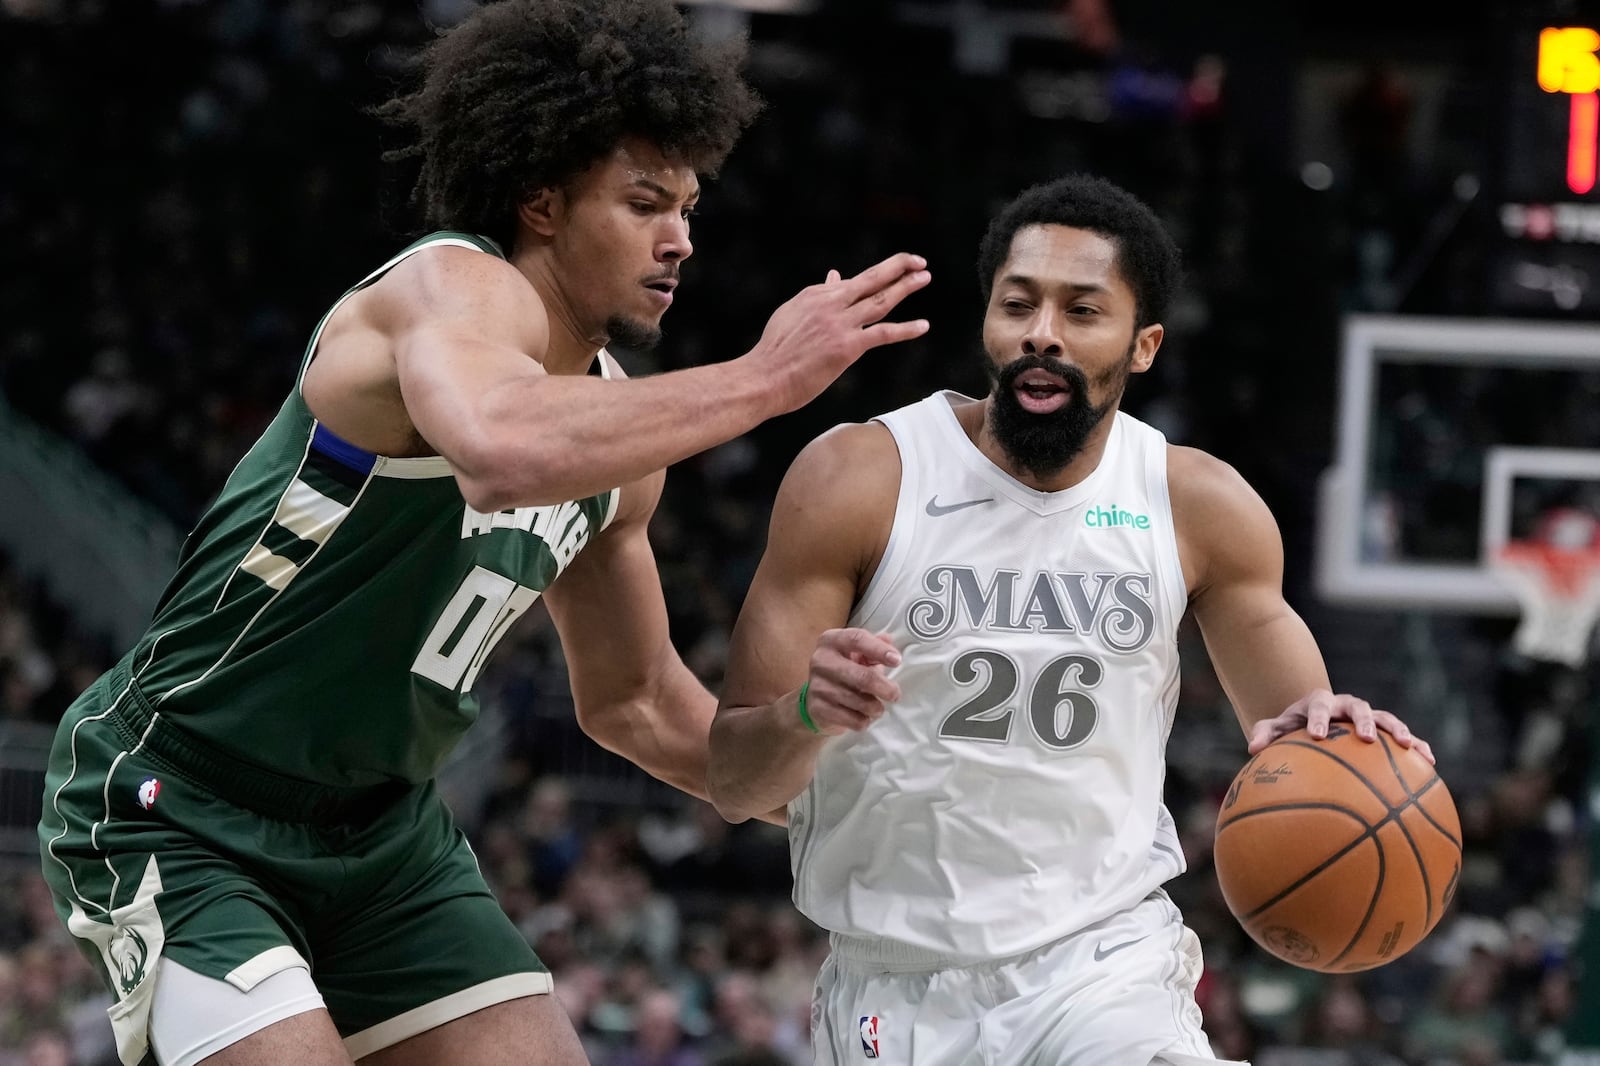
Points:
(1454, 436)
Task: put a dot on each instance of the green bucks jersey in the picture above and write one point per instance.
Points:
(333, 607)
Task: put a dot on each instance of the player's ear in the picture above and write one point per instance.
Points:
(1145, 343)
(541, 213)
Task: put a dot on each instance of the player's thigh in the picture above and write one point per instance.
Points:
(229, 968)
(304, 1040)
(199, 1019)
(1121, 991)
(531, 1031)
(428, 943)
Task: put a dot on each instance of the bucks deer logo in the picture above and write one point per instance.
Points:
(129, 953)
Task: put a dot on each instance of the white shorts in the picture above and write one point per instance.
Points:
(193, 1016)
(1119, 992)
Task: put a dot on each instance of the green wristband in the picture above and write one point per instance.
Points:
(805, 715)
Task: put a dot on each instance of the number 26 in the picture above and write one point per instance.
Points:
(1061, 686)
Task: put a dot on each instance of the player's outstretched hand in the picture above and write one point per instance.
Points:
(848, 684)
(1315, 711)
(813, 338)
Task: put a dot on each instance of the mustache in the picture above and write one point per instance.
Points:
(666, 274)
(1072, 375)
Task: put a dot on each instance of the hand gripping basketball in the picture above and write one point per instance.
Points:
(1338, 854)
(1315, 711)
(848, 686)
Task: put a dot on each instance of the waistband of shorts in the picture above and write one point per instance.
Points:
(266, 792)
(882, 955)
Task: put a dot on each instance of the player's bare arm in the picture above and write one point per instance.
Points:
(633, 694)
(1264, 654)
(448, 349)
(830, 524)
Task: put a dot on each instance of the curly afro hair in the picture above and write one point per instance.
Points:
(1146, 255)
(525, 94)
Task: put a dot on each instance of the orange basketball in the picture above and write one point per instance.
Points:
(1338, 854)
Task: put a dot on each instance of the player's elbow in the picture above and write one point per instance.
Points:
(722, 779)
(484, 495)
(727, 805)
(607, 724)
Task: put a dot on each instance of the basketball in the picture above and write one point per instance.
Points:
(1338, 855)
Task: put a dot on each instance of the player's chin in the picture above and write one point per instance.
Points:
(634, 331)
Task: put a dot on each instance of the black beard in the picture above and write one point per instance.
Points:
(1043, 445)
(631, 333)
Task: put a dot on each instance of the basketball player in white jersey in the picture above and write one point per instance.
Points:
(957, 667)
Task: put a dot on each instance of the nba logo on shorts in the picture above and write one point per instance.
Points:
(149, 789)
(869, 1035)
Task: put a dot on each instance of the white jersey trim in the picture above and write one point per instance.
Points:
(394, 261)
(446, 1009)
(899, 534)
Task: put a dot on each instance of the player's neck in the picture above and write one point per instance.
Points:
(976, 423)
(569, 353)
(570, 350)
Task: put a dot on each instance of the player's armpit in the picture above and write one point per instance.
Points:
(830, 523)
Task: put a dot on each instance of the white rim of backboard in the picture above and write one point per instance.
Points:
(1503, 465)
(1342, 575)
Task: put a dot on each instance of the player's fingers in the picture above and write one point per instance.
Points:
(841, 705)
(1423, 748)
(1360, 713)
(862, 646)
(870, 681)
(1319, 711)
(1262, 734)
(881, 275)
(894, 332)
(833, 278)
(1394, 727)
(844, 672)
(875, 305)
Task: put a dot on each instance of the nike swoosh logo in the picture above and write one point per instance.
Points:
(935, 508)
(1102, 954)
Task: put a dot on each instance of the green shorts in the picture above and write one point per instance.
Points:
(375, 891)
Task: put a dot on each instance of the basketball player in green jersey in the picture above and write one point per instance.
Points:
(238, 821)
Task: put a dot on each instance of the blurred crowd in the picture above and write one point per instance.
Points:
(185, 186)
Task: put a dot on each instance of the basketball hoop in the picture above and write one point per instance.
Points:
(1556, 576)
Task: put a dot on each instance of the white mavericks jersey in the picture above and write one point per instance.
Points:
(1013, 795)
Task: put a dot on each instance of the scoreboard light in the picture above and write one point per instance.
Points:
(1569, 63)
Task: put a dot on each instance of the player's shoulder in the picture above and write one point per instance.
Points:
(1199, 480)
(854, 459)
(1215, 511)
(454, 281)
(446, 267)
(836, 506)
